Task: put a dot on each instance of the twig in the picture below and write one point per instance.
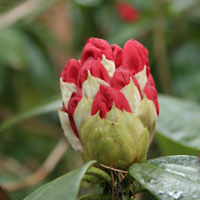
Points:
(113, 185)
(113, 169)
(3, 194)
(13, 166)
(48, 165)
(19, 12)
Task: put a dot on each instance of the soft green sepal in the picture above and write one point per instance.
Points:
(82, 111)
(132, 95)
(133, 123)
(87, 126)
(146, 112)
(109, 66)
(142, 145)
(91, 86)
(114, 114)
(114, 143)
(141, 77)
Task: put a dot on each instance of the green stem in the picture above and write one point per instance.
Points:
(138, 188)
(99, 173)
(91, 179)
(95, 197)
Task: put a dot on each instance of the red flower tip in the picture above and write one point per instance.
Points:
(135, 56)
(151, 93)
(127, 12)
(96, 69)
(117, 55)
(95, 48)
(122, 77)
(105, 98)
(73, 102)
(70, 71)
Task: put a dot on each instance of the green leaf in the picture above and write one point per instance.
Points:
(170, 178)
(65, 187)
(88, 3)
(126, 32)
(181, 5)
(40, 110)
(179, 122)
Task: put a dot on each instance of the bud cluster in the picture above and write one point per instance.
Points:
(110, 104)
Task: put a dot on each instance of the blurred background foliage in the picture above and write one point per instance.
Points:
(36, 39)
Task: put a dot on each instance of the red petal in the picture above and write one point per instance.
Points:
(63, 107)
(96, 69)
(95, 48)
(70, 71)
(105, 98)
(151, 80)
(151, 94)
(73, 102)
(135, 56)
(122, 77)
(117, 55)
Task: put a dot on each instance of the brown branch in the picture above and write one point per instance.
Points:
(17, 13)
(48, 165)
(113, 169)
(11, 165)
(113, 185)
(20, 11)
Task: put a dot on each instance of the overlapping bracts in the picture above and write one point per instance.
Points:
(105, 87)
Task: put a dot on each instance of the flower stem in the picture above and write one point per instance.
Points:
(99, 173)
(138, 188)
(95, 197)
(91, 179)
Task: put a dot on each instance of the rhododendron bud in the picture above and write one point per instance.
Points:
(110, 103)
(127, 12)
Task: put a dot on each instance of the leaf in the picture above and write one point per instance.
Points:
(126, 32)
(185, 62)
(181, 5)
(65, 187)
(40, 110)
(179, 121)
(170, 178)
(88, 3)
(12, 54)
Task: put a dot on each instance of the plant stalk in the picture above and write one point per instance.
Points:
(95, 197)
(99, 173)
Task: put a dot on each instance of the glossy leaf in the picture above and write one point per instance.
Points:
(65, 187)
(170, 178)
(179, 121)
(43, 109)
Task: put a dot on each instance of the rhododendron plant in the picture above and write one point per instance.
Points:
(110, 104)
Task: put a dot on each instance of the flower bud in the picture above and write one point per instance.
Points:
(127, 12)
(110, 103)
